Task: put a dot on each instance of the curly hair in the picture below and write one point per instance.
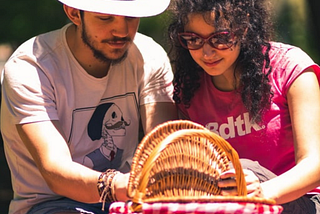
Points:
(249, 20)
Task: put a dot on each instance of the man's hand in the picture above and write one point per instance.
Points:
(120, 186)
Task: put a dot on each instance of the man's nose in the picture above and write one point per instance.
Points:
(120, 27)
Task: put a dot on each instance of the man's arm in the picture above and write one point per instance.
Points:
(50, 151)
(154, 114)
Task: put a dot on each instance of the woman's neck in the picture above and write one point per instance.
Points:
(226, 82)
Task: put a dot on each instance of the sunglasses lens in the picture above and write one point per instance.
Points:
(221, 40)
(190, 41)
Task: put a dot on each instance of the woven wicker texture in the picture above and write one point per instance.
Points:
(147, 145)
(181, 161)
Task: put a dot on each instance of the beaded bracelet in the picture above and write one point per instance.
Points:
(105, 186)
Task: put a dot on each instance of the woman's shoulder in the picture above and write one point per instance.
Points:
(285, 51)
(287, 63)
(285, 55)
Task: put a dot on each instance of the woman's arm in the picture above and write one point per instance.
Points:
(304, 106)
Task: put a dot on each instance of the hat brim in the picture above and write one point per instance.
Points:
(133, 8)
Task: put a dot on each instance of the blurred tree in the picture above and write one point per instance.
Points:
(314, 6)
(297, 22)
(21, 19)
(156, 27)
(295, 25)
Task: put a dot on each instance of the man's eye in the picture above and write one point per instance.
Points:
(108, 18)
(131, 18)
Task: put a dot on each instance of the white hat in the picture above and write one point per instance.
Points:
(133, 8)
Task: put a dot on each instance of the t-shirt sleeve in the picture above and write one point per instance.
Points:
(28, 92)
(298, 62)
(158, 76)
(288, 64)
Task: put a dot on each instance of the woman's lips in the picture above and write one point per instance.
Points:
(212, 63)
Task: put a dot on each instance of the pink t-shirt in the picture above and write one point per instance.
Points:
(270, 143)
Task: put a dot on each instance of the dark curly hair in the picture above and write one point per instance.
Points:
(250, 22)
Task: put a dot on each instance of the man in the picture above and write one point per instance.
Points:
(72, 102)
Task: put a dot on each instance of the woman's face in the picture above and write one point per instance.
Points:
(215, 62)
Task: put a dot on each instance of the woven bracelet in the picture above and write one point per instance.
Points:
(105, 186)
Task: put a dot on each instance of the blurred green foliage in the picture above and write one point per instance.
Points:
(294, 24)
(21, 20)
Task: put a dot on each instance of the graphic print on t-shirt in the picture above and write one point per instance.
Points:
(109, 117)
(109, 137)
(234, 127)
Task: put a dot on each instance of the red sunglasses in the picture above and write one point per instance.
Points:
(221, 40)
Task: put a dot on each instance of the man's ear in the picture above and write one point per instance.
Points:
(73, 14)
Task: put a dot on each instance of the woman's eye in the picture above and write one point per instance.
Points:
(194, 40)
(221, 39)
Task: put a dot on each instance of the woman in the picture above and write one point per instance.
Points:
(261, 96)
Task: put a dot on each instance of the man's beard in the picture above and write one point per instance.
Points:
(98, 54)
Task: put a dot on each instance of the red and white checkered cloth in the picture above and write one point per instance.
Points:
(198, 208)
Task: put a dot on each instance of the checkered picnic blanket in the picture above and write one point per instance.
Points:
(198, 208)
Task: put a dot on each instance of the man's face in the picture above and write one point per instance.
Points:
(108, 36)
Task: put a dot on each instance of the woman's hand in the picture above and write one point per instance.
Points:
(229, 187)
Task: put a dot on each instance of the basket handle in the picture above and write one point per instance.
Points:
(225, 146)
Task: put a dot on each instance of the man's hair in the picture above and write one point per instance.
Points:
(81, 13)
(250, 22)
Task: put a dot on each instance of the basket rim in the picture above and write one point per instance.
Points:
(210, 199)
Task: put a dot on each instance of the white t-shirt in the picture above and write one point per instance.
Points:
(100, 116)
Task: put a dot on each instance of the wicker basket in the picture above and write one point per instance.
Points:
(147, 145)
(181, 161)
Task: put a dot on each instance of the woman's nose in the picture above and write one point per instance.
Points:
(207, 50)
